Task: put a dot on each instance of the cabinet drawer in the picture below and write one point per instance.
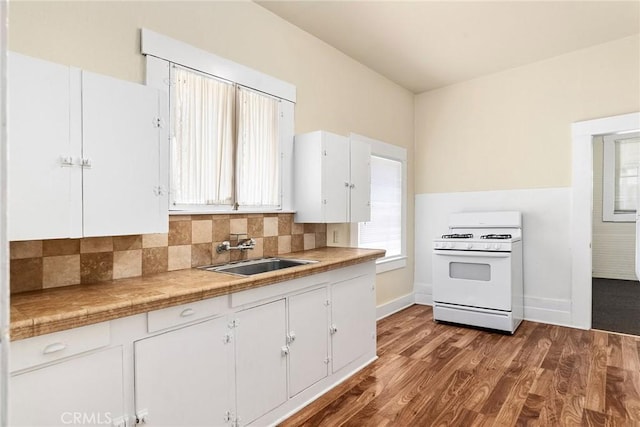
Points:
(186, 313)
(47, 348)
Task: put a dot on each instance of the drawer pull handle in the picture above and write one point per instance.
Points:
(187, 312)
(54, 348)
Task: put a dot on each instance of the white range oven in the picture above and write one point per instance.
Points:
(477, 270)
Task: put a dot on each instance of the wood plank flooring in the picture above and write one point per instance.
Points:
(431, 374)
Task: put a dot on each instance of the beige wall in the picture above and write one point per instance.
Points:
(613, 243)
(521, 118)
(335, 93)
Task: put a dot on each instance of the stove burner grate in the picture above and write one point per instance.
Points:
(457, 236)
(496, 236)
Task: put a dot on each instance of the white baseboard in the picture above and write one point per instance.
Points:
(394, 306)
(424, 299)
(424, 293)
(548, 310)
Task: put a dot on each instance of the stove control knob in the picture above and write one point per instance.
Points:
(487, 246)
(436, 245)
(448, 245)
(497, 246)
(469, 245)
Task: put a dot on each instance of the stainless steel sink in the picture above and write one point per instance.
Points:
(249, 268)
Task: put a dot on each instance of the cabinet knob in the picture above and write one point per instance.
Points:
(142, 417)
(346, 184)
(66, 161)
(285, 350)
(333, 329)
(352, 186)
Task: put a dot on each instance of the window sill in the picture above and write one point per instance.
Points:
(391, 263)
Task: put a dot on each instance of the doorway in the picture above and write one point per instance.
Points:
(615, 288)
(581, 209)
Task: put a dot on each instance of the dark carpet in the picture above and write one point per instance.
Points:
(616, 305)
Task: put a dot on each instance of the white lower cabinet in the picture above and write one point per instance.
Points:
(308, 339)
(184, 377)
(261, 360)
(254, 357)
(84, 390)
(353, 323)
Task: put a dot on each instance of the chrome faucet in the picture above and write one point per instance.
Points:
(243, 245)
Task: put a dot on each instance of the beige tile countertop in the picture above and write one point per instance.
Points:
(50, 310)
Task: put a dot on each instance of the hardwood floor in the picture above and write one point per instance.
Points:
(431, 374)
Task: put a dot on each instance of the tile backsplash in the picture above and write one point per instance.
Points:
(191, 242)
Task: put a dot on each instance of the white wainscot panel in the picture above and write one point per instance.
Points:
(546, 244)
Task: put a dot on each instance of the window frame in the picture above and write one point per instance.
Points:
(398, 154)
(162, 52)
(609, 178)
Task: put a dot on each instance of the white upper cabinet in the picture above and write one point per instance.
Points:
(85, 149)
(360, 186)
(42, 149)
(332, 178)
(122, 188)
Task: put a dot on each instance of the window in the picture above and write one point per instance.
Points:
(384, 231)
(224, 143)
(621, 158)
(231, 130)
(387, 228)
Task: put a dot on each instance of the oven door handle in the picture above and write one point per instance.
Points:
(472, 254)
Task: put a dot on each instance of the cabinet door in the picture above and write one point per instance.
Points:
(352, 319)
(86, 390)
(122, 142)
(184, 377)
(335, 177)
(308, 339)
(261, 361)
(360, 167)
(42, 148)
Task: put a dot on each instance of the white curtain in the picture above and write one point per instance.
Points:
(258, 155)
(202, 144)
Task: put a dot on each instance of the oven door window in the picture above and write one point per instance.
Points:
(470, 271)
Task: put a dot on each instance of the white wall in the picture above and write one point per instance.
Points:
(545, 243)
(613, 243)
(334, 92)
(520, 119)
(507, 137)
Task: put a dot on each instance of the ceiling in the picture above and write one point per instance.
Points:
(423, 45)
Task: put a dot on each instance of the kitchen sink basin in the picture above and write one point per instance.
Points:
(249, 268)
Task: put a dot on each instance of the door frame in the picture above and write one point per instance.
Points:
(582, 207)
(4, 242)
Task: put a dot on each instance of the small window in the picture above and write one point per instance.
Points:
(225, 150)
(387, 228)
(384, 231)
(621, 159)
